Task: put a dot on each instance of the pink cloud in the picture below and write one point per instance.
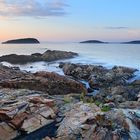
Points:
(35, 8)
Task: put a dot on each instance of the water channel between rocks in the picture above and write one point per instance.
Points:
(50, 129)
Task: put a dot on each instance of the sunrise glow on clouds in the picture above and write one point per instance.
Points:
(37, 8)
(70, 20)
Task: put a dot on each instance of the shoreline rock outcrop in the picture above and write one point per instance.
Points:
(36, 57)
(49, 82)
(112, 84)
(30, 101)
(26, 104)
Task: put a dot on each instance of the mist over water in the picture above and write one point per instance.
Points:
(100, 54)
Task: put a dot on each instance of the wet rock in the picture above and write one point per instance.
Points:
(119, 118)
(56, 55)
(51, 83)
(135, 117)
(98, 76)
(121, 70)
(132, 118)
(56, 84)
(20, 59)
(7, 73)
(46, 56)
(81, 71)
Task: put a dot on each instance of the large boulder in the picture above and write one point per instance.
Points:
(122, 70)
(82, 71)
(56, 84)
(56, 55)
(51, 83)
(20, 59)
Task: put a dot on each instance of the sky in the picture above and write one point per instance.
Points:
(70, 20)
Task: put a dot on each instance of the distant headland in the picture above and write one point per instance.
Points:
(22, 41)
(92, 41)
(101, 42)
(132, 42)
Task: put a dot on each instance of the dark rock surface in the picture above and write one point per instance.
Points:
(20, 59)
(46, 56)
(51, 83)
(98, 76)
(57, 55)
(22, 41)
(112, 84)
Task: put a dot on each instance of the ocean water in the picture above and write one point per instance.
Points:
(107, 55)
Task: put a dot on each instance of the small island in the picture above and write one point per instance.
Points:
(22, 41)
(92, 41)
(132, 42)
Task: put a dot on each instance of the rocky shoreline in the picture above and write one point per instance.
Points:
(47, 56)
(49, 106)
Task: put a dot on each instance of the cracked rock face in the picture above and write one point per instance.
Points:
(49, 82)
(75, 118)
(87, 121)
(113, 84)
(23, 111)
(99, 76)
(25, 106)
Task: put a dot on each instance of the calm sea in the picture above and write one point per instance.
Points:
(100, 54)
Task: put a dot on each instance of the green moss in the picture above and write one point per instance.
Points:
(106, 108)
(82, 97)
(67, 99)
(97, 102)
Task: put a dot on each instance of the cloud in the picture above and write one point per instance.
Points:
(32, 8)
(116, 28)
